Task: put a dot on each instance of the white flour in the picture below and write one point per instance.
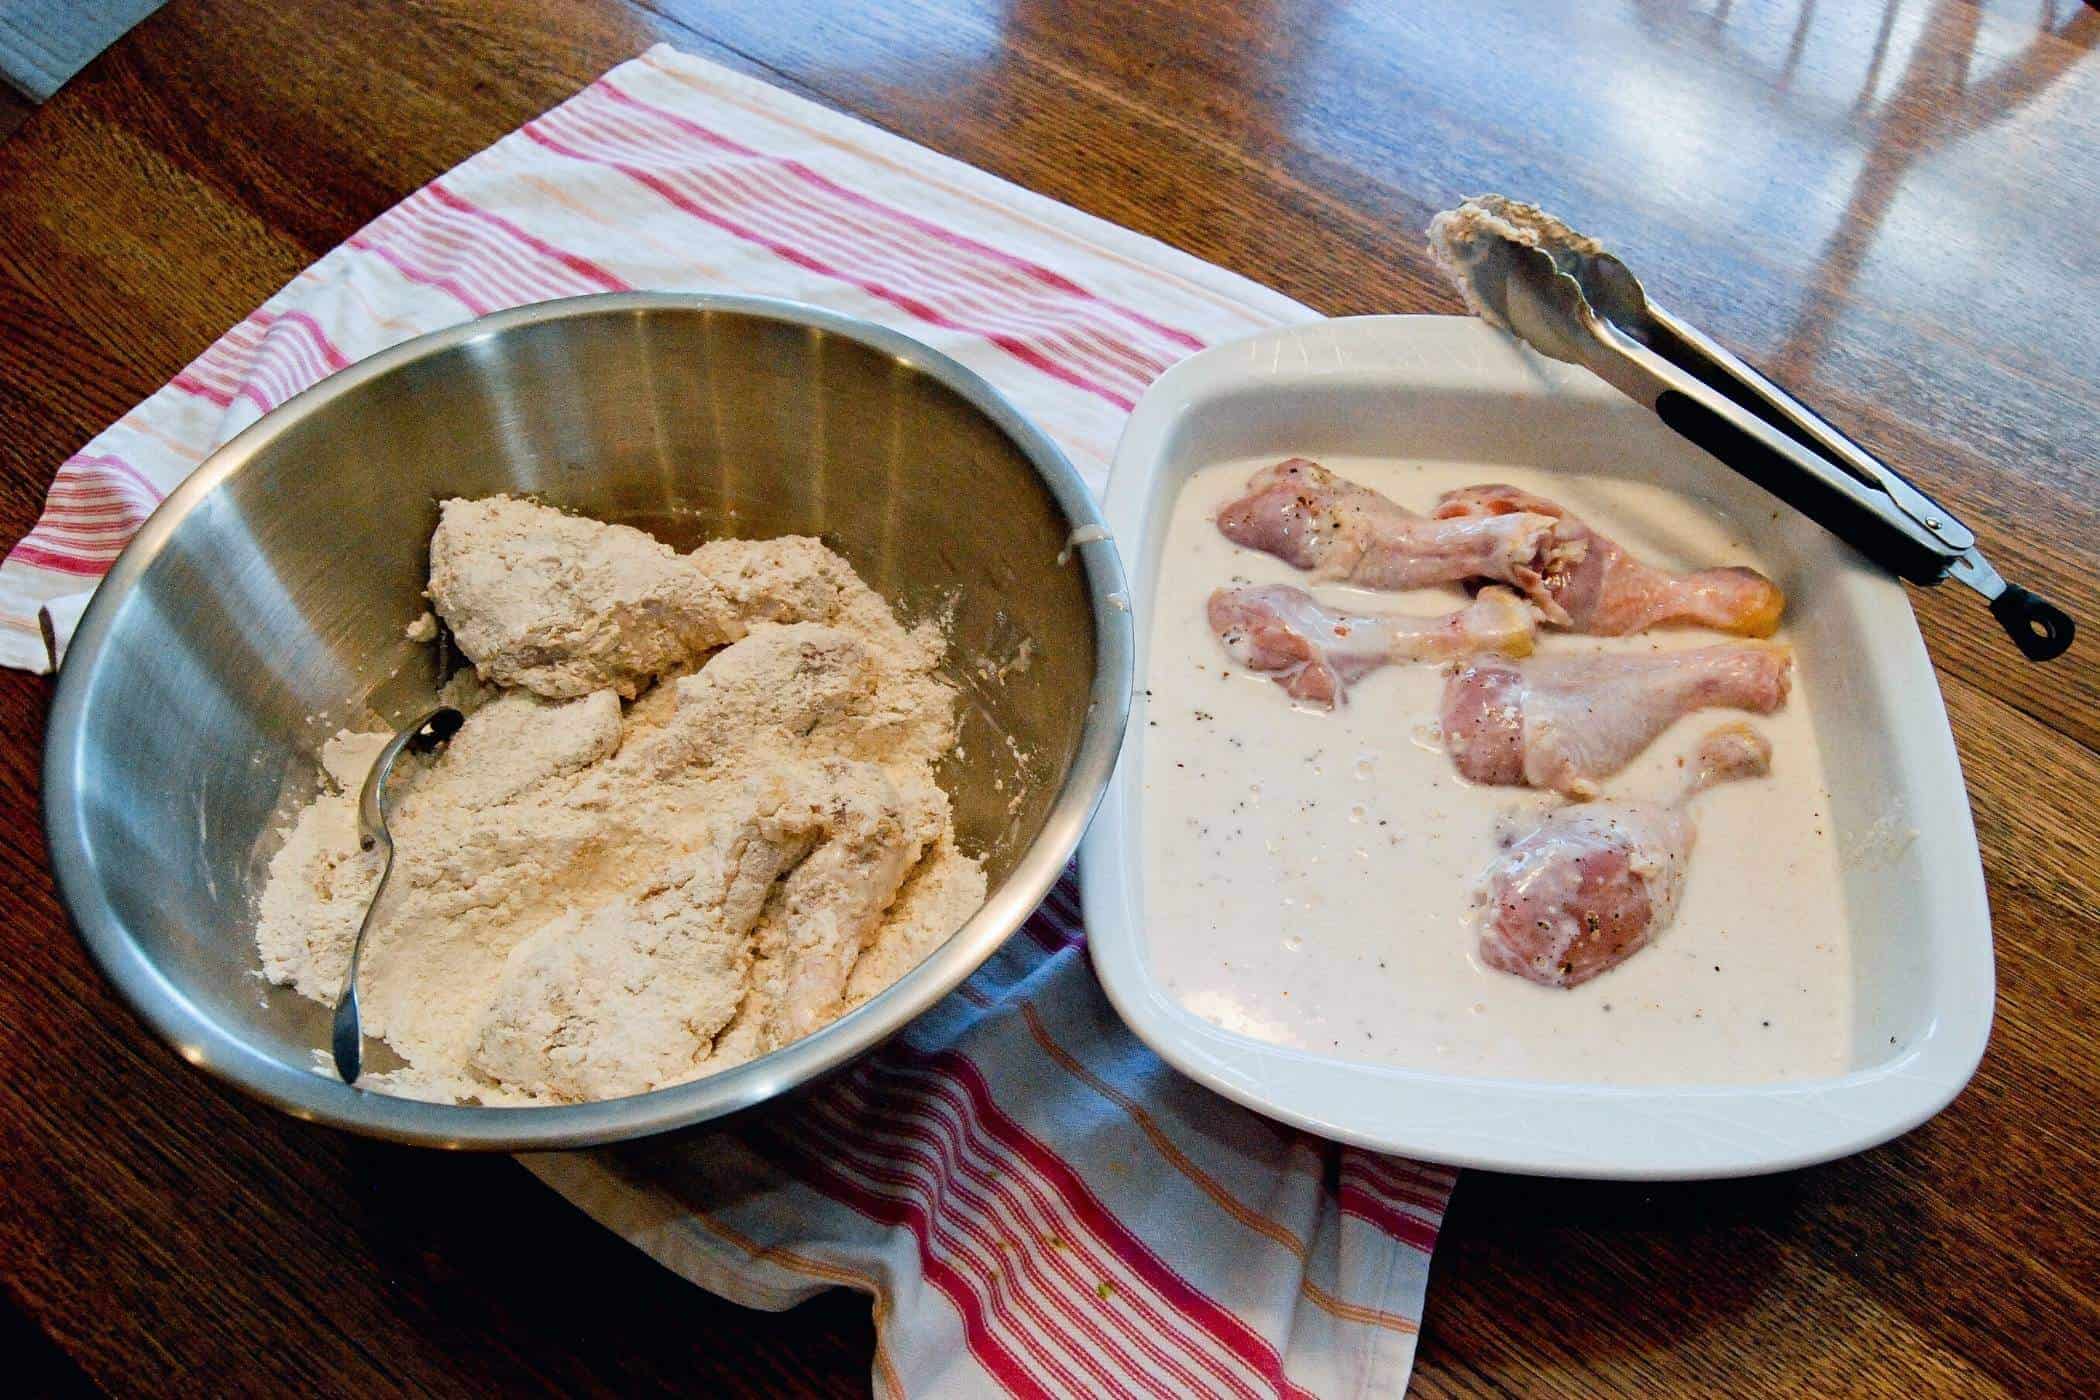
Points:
(594, 898)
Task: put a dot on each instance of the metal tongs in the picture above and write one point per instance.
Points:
(1567, 298)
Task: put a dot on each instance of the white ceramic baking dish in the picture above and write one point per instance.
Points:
(1452, 389)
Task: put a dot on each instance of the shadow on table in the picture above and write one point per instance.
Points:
(1621, 1268)
(495, 1269)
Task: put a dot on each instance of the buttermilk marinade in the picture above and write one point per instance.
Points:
(1310, 877)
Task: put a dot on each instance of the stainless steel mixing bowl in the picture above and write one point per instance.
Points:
(263, 605)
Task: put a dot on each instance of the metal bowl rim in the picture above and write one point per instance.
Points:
(318, 1097)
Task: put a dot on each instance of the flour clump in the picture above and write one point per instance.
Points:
(691, 817)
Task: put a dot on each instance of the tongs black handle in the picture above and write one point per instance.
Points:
(1749, 389)
(2040, 629)
(1866, 529)
(1567, 298)
(1766, 435)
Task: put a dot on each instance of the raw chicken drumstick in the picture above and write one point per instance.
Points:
(1315, 653)
(1566, 722)
(1607, 591)
(1305, 515)
(1590, 886)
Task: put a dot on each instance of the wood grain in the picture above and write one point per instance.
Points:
(1890, 207)
(14, 110)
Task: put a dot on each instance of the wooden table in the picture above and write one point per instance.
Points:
(1891, 207)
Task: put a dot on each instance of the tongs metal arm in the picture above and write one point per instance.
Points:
(1818, 487)
(1760, 431)
(1691, 349)
(2037, 626)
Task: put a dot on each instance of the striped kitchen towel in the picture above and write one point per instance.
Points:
(1038, 1205)
(1033, 1201)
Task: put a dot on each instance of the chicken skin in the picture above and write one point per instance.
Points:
(1591, 885)
(1606, 591)
(1316, 653)
(1341, 532)
(1566, 723)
